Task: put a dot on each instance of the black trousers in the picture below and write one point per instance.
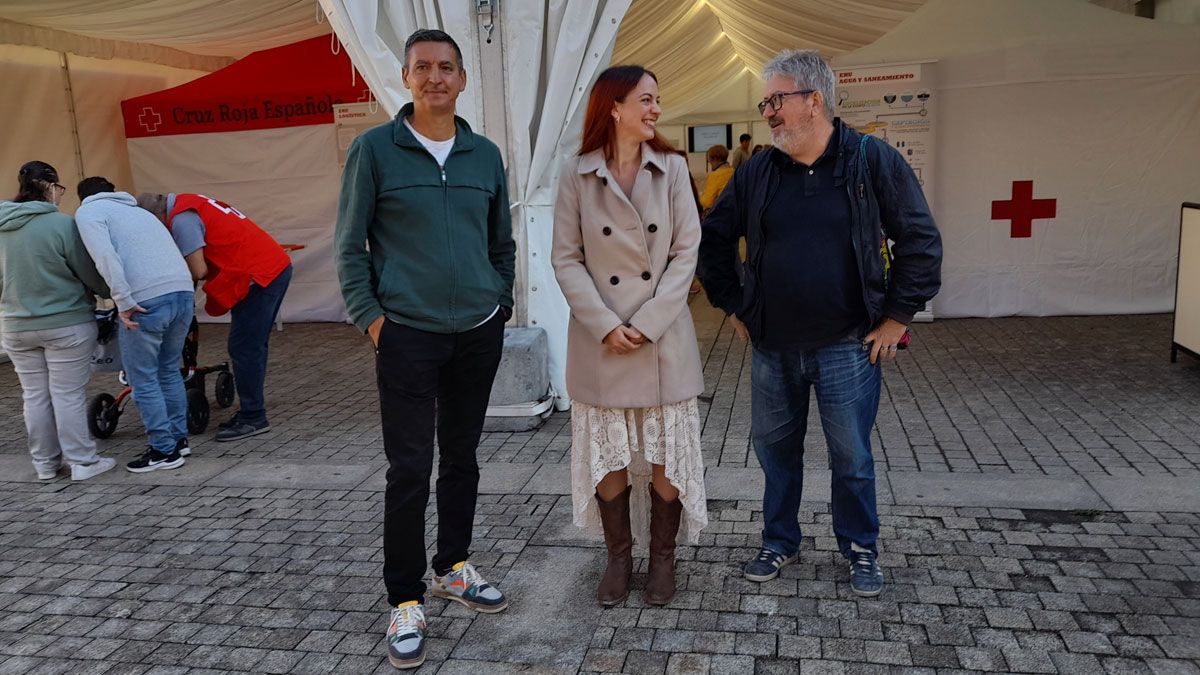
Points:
(427, 379)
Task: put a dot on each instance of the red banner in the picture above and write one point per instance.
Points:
(293, 85)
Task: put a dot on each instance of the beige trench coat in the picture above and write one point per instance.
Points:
(621, 260)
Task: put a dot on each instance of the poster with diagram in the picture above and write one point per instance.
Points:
(898, 105)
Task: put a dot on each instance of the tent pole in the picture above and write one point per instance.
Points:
(63, 60)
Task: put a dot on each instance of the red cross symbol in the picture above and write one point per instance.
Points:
(1022, 209)
(149, 120)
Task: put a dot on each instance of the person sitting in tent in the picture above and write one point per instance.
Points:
(719, 175)
(152, 288)
(245, 273)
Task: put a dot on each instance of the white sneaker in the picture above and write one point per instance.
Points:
(86, 471)
(46, 473)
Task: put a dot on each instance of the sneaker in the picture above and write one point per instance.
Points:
(230, 423)
(406, 635)
(241, 430)
(766, 565)
(154, 460)
(182, 447)
(463, 584)
(866, 579)
(86, 471)
(48, 473)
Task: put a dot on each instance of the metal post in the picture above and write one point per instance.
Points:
(64, 63)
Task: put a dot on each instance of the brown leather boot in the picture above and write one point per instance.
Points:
(614, 516)
(664, 526)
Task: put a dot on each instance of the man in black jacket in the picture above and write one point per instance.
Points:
(822, 301)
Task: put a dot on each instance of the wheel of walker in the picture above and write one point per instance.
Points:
(197, 411)
(102, 414)
(224, 389)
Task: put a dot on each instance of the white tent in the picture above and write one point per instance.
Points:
(260, 135)
(1101, 111)
(1011, 63)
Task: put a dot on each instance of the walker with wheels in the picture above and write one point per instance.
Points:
(104, 409)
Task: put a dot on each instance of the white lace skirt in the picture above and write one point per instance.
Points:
(604, 440)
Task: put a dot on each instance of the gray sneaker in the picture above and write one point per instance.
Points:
(242, 430)
(406, 635)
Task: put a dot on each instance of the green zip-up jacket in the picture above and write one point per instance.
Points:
(429, 248)
(45, 271)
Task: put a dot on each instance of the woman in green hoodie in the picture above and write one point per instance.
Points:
(47, 327)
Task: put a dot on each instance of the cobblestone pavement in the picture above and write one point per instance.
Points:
(141, 579)
(1053, 396)
(263, 556)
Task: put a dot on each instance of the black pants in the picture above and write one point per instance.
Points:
(422, 376)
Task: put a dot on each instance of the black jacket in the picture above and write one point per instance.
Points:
(885, 202)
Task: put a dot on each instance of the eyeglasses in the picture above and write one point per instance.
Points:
(776, 100)
(56, 186)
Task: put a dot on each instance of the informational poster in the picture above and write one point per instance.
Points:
(351, 119)
(898, 105)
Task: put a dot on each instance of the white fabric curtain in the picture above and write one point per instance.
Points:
(553, 55)
(553, 51)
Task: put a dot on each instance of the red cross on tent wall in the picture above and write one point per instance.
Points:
(150, 120)
(1022, 209)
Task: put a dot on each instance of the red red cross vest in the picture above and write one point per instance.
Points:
(236, 251)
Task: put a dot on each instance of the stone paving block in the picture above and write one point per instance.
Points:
(1130, 494)
(550, 479)
(293, 474)
(523, 633)
(938, 489)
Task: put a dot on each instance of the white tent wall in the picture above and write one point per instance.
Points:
(286, 180)
(1100, 110)
(37, 119)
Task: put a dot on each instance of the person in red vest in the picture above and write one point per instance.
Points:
(245, 273)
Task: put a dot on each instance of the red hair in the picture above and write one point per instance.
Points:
(599, 131)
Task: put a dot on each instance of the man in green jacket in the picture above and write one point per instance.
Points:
(425, 256)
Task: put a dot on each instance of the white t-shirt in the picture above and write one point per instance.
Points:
(439, 149)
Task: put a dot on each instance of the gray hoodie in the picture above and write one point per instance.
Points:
(133, 250)
(45, 271)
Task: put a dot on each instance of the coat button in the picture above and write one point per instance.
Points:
(607, 230)
(604, 182)
(614, 281)
(653, 227)
(646, 276)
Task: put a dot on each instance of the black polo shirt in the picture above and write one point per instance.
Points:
(812, 290)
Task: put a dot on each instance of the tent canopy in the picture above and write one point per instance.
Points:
(232, 28)
(707, 54)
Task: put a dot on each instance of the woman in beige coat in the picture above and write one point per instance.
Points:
(626, 235)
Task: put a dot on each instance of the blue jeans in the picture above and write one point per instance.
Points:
(847, 399)
(150, 355)
(250, 326)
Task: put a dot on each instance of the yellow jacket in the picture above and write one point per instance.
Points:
(714, 185)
